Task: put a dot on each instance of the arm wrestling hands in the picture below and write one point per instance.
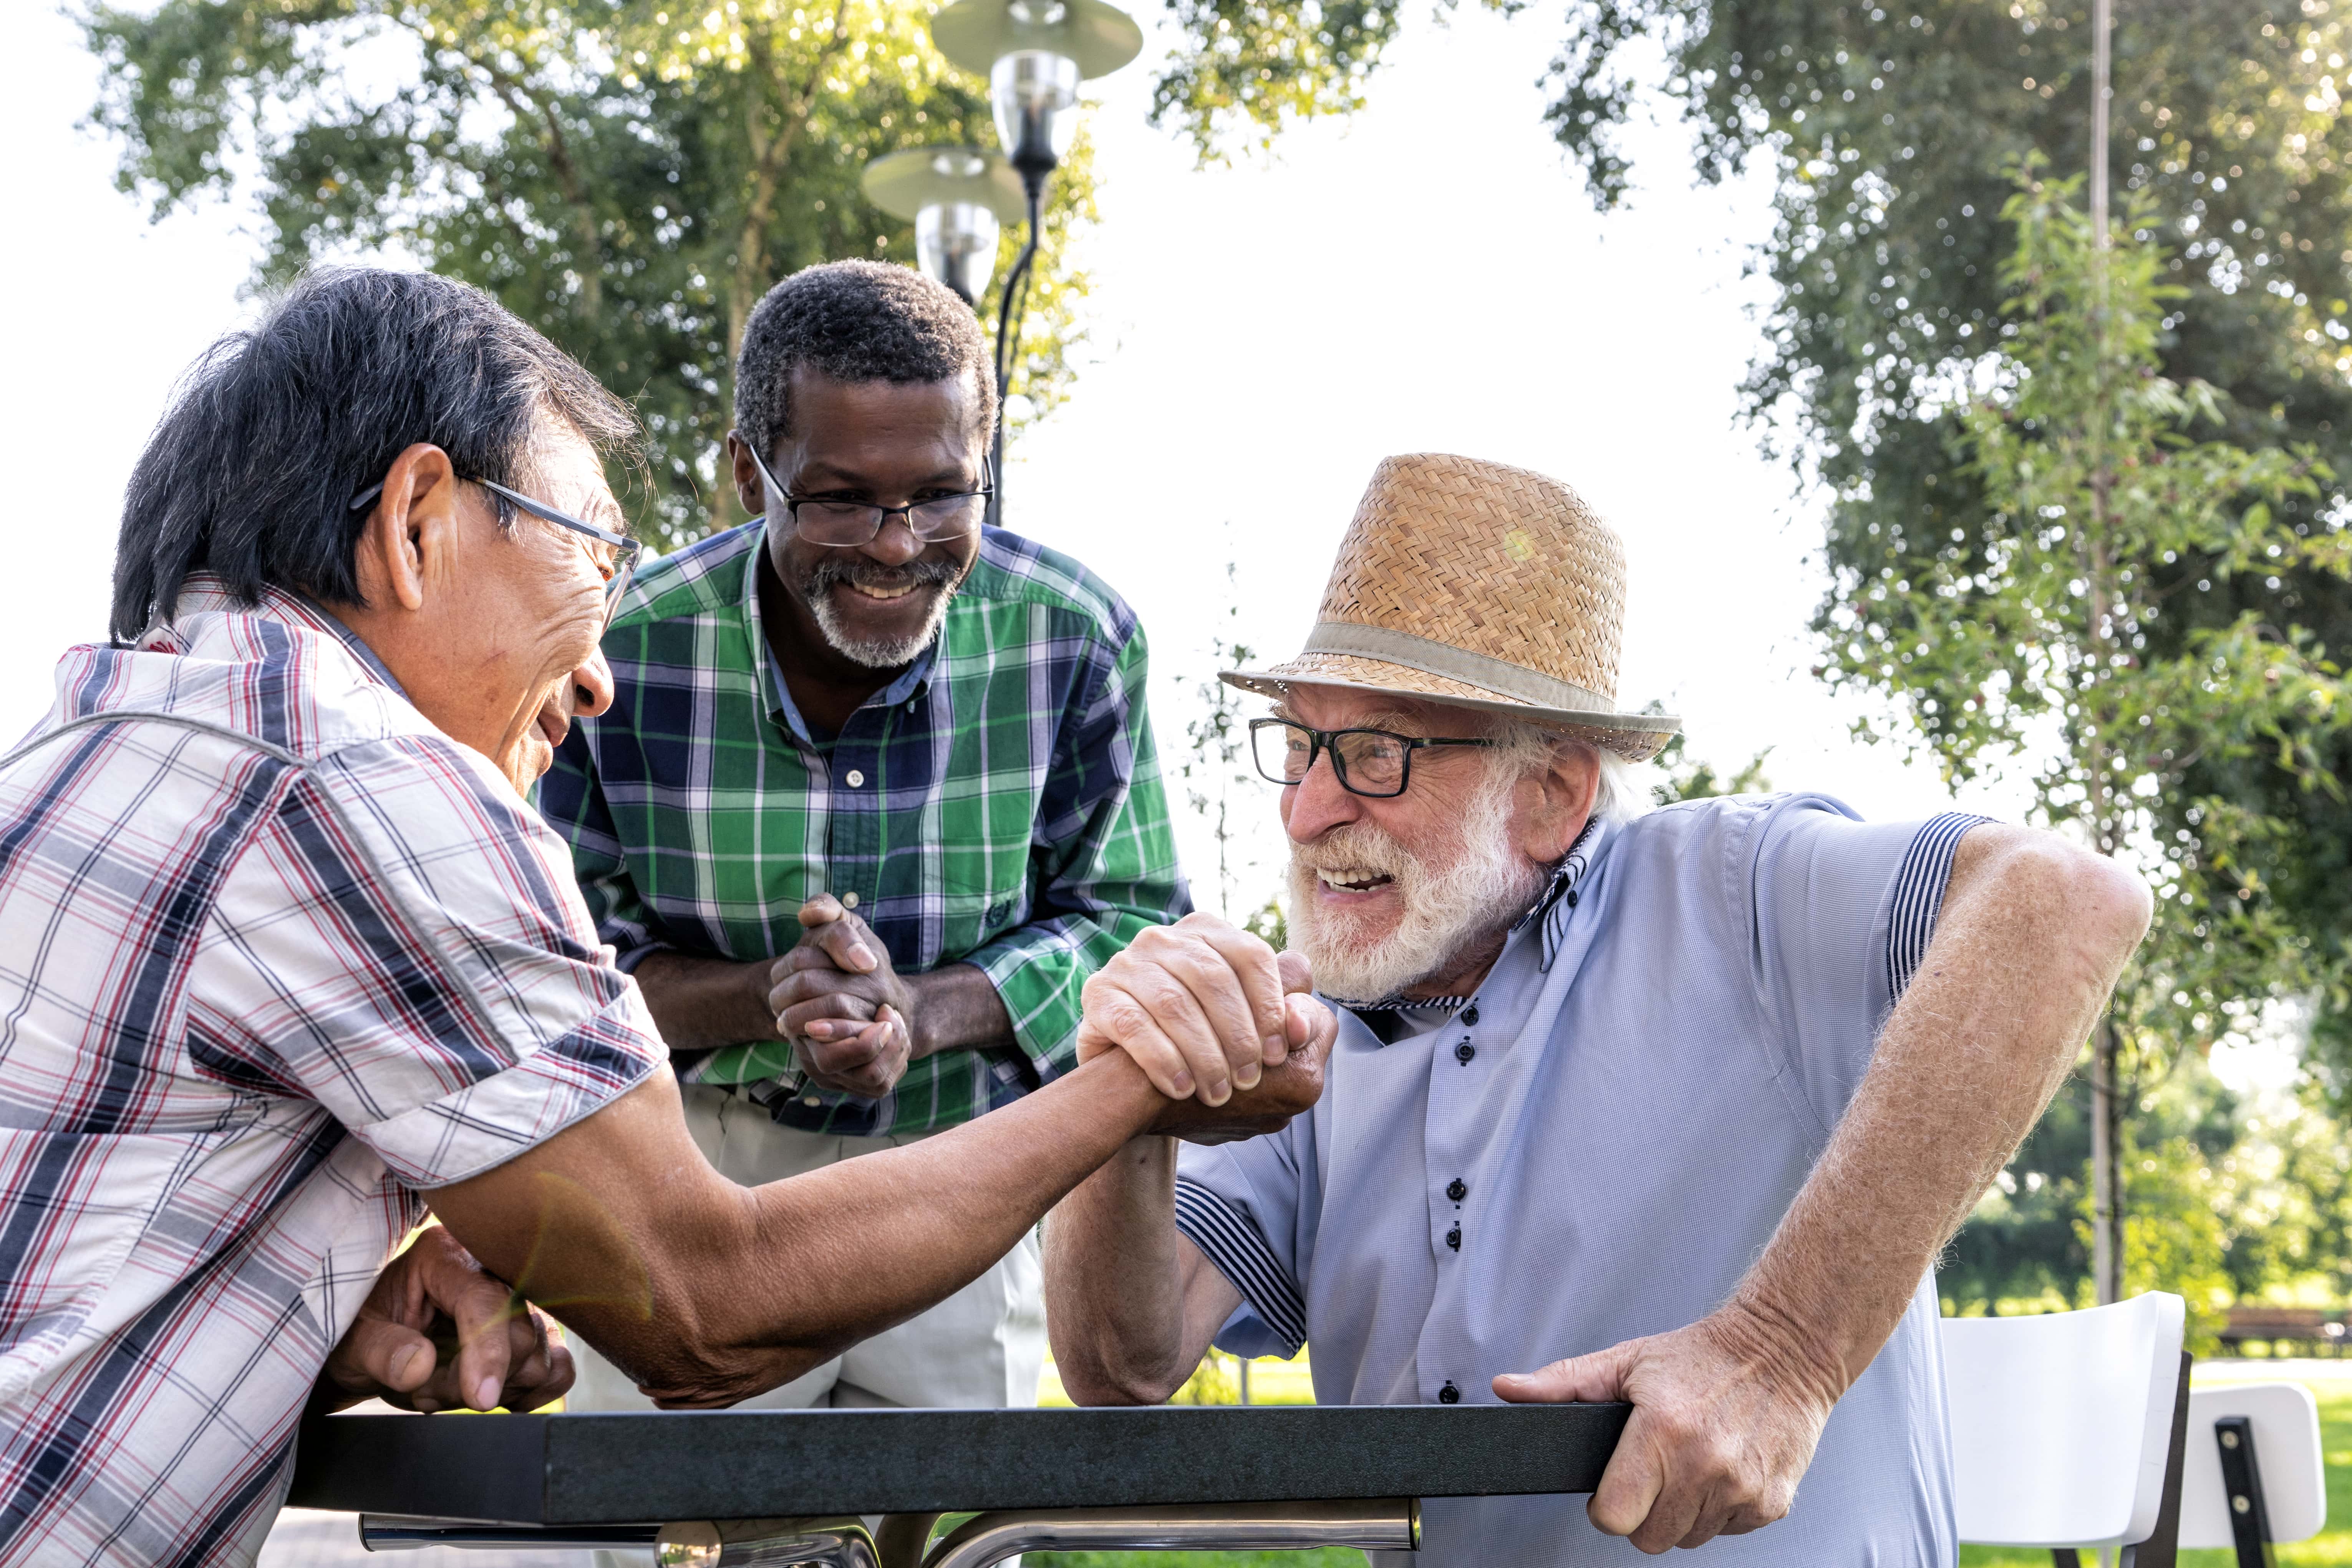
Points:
(2032, 937)
(707, 1292)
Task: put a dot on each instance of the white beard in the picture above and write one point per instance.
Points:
(1487, 886)
(880, 653)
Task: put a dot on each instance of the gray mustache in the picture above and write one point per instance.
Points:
(863, 571)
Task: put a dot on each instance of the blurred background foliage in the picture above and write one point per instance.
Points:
(627, 176)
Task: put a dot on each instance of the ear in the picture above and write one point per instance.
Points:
(1564, 795)
(750, 488)
(413, 530)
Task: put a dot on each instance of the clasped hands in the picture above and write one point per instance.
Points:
(439, 1333)
(840, 1001)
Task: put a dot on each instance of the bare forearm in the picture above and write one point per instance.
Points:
(702, 1003)
(956, 1007)
(2027, 949)
(1114, 1290)
(709, 1292)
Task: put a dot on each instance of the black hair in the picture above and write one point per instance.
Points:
(855, 321)
(250, 473)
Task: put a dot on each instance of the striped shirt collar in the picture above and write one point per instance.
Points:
(203, 593)
(1550, 912)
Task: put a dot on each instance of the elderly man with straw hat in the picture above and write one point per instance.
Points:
(1675, 1108)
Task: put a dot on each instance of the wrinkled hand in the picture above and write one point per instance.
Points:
(1288, 1089)
(436, 1332)
(1202, 1006)
(1725, 1417)
(842, 1006)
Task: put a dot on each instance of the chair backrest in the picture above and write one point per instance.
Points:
(2287, 1456)
(2061, 1423)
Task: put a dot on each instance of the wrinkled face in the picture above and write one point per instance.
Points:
(879, 605)
(522, 618)
(1385, 894)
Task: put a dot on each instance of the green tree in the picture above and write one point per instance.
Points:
(2043, 634)
(628, 176)
(1887, 126)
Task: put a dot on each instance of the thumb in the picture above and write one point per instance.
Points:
(1584, 1379)
(821, 910)
(389, 1355)
(1297, 974)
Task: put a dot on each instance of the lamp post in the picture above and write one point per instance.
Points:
(1033, 53)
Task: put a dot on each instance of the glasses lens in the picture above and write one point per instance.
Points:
(1370, 762)
(1283, 752)
(949, 517)
(838, 521)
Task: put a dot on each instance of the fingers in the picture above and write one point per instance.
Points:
(868, 1063)
(1254, 1000)
(1210, 990)
(1114, 1020)
(479, 1305)
(1587, 1379)
(844, 938)
(386, 1354)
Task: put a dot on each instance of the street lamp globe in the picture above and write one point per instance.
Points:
(1034, 53)
(959, 199)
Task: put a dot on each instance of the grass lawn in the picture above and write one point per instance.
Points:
(2332, 1547)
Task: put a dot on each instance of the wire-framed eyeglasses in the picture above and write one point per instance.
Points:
(616, 572)
(1375, 764)
(846, 525)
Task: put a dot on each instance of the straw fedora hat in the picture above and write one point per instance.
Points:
(1480, 585)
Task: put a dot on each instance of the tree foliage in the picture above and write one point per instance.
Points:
(628, 176)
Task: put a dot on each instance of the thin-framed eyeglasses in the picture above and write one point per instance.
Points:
(846, 525)
(1375, 764)
(616, 572)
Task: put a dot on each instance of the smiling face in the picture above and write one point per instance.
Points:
(1415, 894)
(491, 630)
(876, 606)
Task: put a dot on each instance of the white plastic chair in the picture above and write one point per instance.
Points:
(2288, 1498)
(2062, 1425)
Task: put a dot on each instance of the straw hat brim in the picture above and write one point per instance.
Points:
(1636, 737)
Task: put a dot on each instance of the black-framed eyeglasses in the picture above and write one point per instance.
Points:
(846, 525)
(1375, 764)
(616, 572)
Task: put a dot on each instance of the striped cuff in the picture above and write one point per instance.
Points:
(1919, 896)
(1239, 1252)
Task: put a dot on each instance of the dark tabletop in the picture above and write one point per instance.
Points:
(760, 1464)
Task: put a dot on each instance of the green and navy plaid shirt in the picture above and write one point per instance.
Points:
(998, 804)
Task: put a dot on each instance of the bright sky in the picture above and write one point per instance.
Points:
(1427, 277)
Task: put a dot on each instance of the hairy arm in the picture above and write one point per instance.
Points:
(1131, 1304)
(2030, 939)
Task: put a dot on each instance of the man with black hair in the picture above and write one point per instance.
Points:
(875, 796)
(288, 958)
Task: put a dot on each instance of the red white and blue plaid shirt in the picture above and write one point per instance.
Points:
(275, 954)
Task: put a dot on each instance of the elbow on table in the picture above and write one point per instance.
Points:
(1103, 1386)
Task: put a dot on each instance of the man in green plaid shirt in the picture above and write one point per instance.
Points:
(875, 796)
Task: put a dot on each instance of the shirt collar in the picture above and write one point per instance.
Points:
(1548, 914)
(203, 593)
(910, 683)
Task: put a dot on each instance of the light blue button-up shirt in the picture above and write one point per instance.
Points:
(1595, 1148)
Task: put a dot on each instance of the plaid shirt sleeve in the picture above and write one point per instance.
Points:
(1106, 866)
(402, 943)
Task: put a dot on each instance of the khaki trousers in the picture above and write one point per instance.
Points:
(982, 1348)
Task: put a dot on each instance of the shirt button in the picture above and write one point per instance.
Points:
(855, 779)
(1455, 1190)
(849, 900)
(1464, 1052)
(1454, 1238)
(1449, 1394)
(811, 1099)
(1472, 1015)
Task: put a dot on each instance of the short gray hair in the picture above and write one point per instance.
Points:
(855, 321)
